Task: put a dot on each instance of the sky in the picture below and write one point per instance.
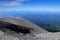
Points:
(30, 5)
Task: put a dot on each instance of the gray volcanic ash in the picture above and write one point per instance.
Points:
(10, 27)
(25, 23)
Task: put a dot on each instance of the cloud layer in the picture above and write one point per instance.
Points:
(12, 2)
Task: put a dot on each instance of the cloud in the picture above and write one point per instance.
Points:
(12, 2)
(32, 10)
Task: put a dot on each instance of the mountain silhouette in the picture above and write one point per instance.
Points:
(22, 25)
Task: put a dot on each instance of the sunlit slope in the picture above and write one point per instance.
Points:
(25, 23)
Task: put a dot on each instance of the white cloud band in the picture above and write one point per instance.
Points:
(12, 3)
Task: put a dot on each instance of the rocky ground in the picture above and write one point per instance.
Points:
(37, 33)
(42, 36)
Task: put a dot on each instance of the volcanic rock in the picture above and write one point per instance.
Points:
(21, 25)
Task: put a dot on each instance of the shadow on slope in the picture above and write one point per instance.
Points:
(21, 25)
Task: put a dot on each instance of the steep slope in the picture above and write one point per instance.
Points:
(23, 22)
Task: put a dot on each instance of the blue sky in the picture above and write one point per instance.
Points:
(30, 5)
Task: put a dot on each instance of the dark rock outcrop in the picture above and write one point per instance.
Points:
(24, 25)
(14, 27)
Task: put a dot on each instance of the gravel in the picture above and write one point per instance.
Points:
(37, 34)
(9, 35)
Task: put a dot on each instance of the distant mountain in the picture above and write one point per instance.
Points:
(47, 20)
(25, 23)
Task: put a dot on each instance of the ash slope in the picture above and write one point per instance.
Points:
(41, 36)
(25, 23)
